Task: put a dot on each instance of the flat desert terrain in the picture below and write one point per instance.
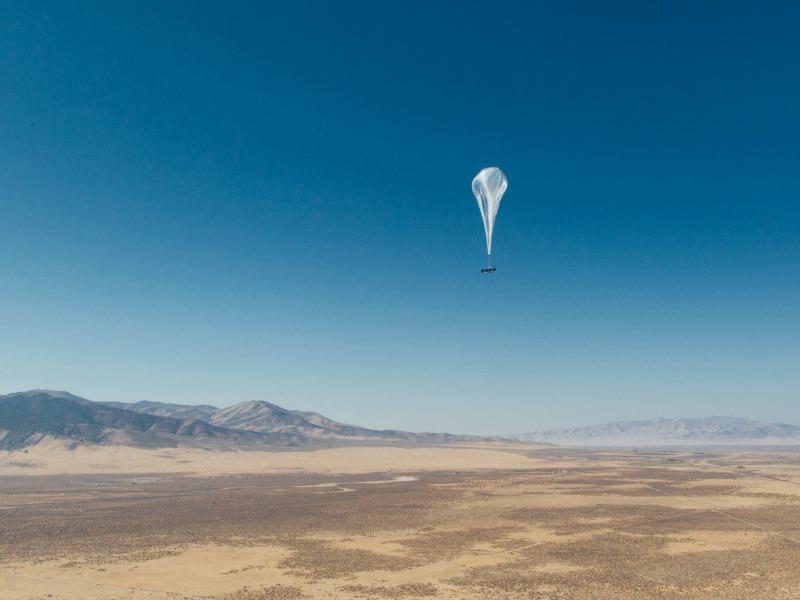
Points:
(476, 522)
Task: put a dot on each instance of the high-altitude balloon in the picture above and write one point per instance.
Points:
(489, 186)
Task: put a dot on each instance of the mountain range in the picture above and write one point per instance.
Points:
(709, 430)
(27, 417)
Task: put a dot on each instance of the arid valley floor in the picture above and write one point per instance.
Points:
(474, 523)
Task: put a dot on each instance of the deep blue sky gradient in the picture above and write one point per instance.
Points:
(214, 203)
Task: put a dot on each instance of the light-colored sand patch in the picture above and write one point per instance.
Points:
(200, 570)
(52, 458)
(690, 542)
(383, 542)
(434, 572)
(557, 567)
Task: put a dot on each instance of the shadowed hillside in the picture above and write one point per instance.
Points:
(27, 417)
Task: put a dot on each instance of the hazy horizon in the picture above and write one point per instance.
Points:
(389, 425)
(273, 202)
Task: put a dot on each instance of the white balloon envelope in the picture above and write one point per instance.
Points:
(489, 186)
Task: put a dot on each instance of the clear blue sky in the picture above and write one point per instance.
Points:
(272, 201)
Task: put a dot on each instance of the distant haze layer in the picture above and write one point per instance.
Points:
(710, 430)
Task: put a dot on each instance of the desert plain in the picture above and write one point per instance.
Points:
(479, 521)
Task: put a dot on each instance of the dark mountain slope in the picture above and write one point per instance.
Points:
(26, 416)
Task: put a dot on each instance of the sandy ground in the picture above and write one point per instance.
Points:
(543, 524)
(51, 457)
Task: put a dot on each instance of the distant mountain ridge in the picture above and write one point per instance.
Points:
(262, 416)
(162, 409)
(718, 430)
(27, 417)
